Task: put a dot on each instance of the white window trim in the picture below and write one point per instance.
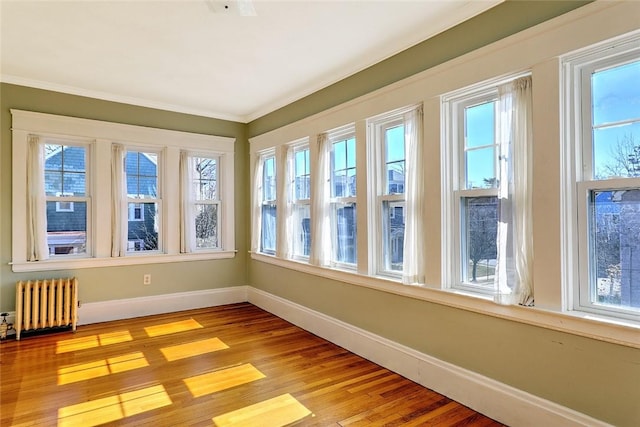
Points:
(101, 135)
(578, 173)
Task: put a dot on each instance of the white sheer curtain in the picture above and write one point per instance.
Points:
(413, 251)
(256, 216)
(187, 198)
(119, 208)
(284, 202)
(320, 211)
(513, 279)
(37, 247)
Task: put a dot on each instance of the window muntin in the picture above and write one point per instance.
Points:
(608, 184)
(143, 200)
(268, 208)
(301, 201)
(206, 206)
(67, 199)
(343, 200)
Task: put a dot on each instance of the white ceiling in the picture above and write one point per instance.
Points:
(197, 57)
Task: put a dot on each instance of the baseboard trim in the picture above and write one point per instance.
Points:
(497, 400)
(104, 311)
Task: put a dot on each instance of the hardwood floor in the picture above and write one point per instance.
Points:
(228, 365)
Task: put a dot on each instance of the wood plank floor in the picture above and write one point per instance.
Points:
(228, 365)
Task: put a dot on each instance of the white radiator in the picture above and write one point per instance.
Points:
(42, 304)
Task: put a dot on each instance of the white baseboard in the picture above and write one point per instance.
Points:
(104, 311)
(499, 401)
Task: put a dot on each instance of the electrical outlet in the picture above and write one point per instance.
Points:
(146, 279)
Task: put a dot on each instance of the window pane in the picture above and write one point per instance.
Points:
(615, 246)
(394, 139)
(65, 172)
(67, 229)
(302, 174)
(344, 221)
(205, 178)
(479, 240)
(142, 174)
(142, 234)
(206, 218)
(269, 179)
(615, 93)
(343, 181)
(616, 151)
(479, 128)
(268, 229)
(393, 235)
(351, 153)
(301, 230)
(480, 168)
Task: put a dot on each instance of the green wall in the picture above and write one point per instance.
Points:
(110, 283)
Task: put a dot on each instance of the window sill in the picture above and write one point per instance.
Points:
(77, 263)
(617, 331)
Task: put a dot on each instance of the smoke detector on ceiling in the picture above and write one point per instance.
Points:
(231, 7)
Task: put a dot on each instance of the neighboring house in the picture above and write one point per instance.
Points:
(66, 220)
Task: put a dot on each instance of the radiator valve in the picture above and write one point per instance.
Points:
(4, 326)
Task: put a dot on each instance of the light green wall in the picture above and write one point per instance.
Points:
(110, 283)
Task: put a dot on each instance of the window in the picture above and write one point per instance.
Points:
(87, 191)
(607, 129)
(476, 188)
(301, 209)
(343, 198)
(388, 152)
(67, 198)
(268, 205)
(144, 200)
(206, 206)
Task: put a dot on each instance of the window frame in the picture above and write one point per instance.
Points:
(99, 136)
(273, 203)
(343, 134)
(299, 203)
(157, 201)
(580, 179)
(217, 201)
(455, 104)
(72, 198)
(379, 196)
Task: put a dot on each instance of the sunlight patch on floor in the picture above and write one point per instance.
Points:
(172, 328)
(279, 411)
(93, 341)
(113, 408)
(101, 368)
(222, 379)
(196, 348)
